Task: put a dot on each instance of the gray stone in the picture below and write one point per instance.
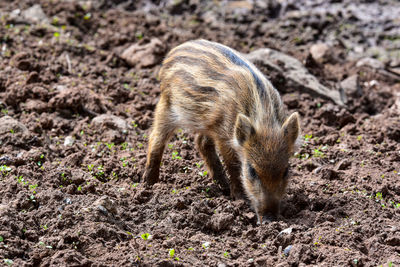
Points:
(295, 73)
(35, 14)
(319, 52)
(69, 141)
(10, 125)
(286, 251)
(351, 86)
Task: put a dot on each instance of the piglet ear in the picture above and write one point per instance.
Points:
(243, 129)
(291, 128)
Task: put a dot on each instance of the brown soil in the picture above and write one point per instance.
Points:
(73, 147)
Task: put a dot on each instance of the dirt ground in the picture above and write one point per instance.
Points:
(75, 120)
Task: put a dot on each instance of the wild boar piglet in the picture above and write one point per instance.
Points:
(213, 91)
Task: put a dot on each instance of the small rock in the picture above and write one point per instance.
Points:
(286, 231)
(35, 14)
(111, 122)
(68, 201)
(9, 125)
(206, 245)
(143, 56)
(370, 62)
(286, 251)
(351, 86)
(221, 265)
(319, 52)
(294, 73)
(69, 141)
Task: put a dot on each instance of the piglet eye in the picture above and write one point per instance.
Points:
(252, 172)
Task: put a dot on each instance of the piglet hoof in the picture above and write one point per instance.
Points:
(150, 178)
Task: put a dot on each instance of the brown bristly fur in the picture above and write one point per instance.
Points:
(216, 93)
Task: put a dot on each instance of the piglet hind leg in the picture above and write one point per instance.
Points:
(163, 129)
(206, 147)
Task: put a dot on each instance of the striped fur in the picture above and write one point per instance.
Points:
(216, 93)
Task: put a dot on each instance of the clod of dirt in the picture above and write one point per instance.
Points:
(392, 129)
(320, 52)
(343, 164)
(329, 174)
(22, 61)
(111, 122)
(144, 56)
(113, 128)
(35, 105)
(220, 222)
(10, 125)
(78, 100)
(105, 205)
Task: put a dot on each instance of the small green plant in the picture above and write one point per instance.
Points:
(90, 167)
(87, 16)
(4, 169)
(226, 254)
(8, 262)
(199, 164)
(12, 131)
(139, 35)
(203, 173)
(56, 34)
(110, 146)
(145, 236)
(32, 187)
(170, 146)
(44, 227)
(1, 238)
(359, 138)
(175, 155)
(171, 252)
(318, 153)
(307, 137)
(124, 145)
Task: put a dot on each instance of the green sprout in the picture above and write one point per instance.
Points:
(203, 173)
(8, 262)
(175, 155)
(171, 252)
(307, 137)
(226, 254)
(145, 236)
